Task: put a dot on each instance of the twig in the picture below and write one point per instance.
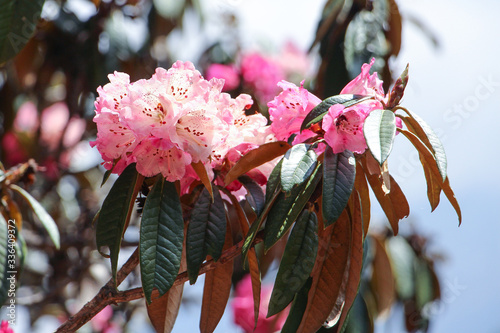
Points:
(109, 295)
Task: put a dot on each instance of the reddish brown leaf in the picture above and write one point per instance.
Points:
(216, 291)
(433, 186)
(200, 170)
(255, 158)
(328, 273)
(355, 257)
(394, 202)
(162, 311)
(382, 282)
(364, 194)
(253, 265)
(395, 27)
(430, 162)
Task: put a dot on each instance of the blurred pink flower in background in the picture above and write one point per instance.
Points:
(26, 120)
(242, 305)
(261, 75)
(294, 62)
(52, 124)
(227, 72)
(103, 322)
(4, 327)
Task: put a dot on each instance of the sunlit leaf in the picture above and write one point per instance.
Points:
(331, 263)
(216, 292)
(425, 133)
(319, 111)
(297, 262)
(298, 164)
(47, 221)
(206, 231)
(161, 238)
(163, 311)
(339, 172)
(200, 170)
(379, 130)
(256, 157)
(428, 159)
(287, 208)
(115, 214)
(18, 20)
(255, 194)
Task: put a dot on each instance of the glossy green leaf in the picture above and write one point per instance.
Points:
(255, 194)
(297, 309)
(274, 181)
(161, 238)
(206, 232)
(430, 139)
(379, 130)
(298, 164)
(297, 262)
(18, 20)
(358, 319)
(115, 214)
(4, 267)
(339, 173)
(287, 208)
(47, 221)
(318, 112)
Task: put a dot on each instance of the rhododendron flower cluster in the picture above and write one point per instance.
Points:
(171, 120)
(342, 126)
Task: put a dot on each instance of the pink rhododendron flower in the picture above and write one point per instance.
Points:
(4, 327)
(169, 121)
(344, 126)
(366, 84)
(243, 313)
(227, 72)
(288, 110)
(261, 75)
(26, 120)
(53, 122)
(293, 61)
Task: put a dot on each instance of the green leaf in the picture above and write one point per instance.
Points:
(4, 268)
(18, 20)
(298, 308)
(379, 130)
(298, 164)
(287, 208)
(358, 319)
(424, 285)
(115, 214)
(47, 221)
(297, 262)
(255, 194)
(274, 181)
(162, 236)
(206, 232)
(339, 172)
(316, 114)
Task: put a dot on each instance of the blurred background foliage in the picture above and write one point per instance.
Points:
(47, 93)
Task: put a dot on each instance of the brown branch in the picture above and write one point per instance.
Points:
(109, 295)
